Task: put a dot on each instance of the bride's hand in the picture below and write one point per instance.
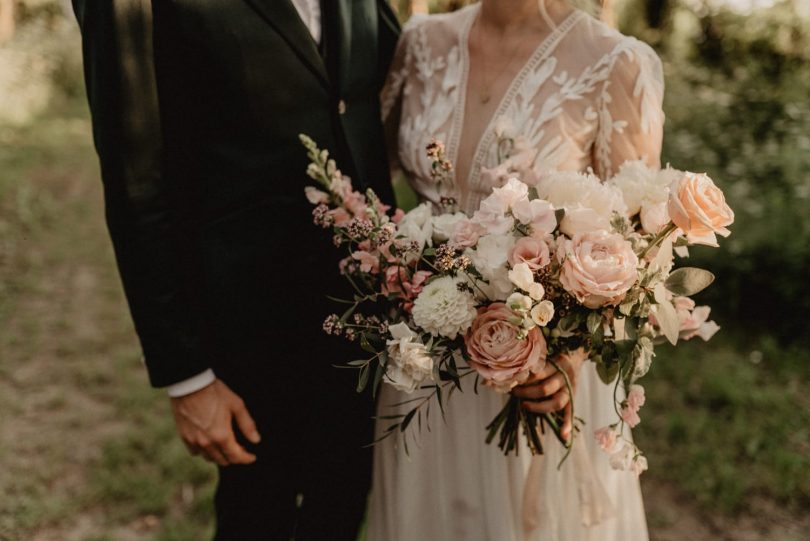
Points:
(547, 392)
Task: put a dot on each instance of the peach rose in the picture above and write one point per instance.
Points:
(496, 352)
(699, 209)
(532, 251)
(598, 267)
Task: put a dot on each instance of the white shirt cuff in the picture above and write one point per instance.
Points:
(191, 385)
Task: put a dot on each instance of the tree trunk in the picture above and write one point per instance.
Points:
(6, 20)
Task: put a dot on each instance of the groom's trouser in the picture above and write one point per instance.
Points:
(313, 471)
(312, 475)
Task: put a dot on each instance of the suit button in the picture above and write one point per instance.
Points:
(341, 107)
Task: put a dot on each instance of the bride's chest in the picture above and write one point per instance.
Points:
(549, 105)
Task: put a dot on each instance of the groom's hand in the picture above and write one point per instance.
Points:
(205, 423)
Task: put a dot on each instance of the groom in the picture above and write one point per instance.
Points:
(197, 106)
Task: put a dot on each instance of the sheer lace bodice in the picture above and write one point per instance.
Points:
(587, 97)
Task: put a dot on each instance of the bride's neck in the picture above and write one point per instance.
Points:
(507, 15)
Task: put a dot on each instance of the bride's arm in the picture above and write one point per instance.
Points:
(392, 95)
(631, 117)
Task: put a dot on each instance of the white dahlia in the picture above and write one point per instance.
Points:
(442, 309)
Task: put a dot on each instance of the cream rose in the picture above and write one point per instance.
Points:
(409, 361)
(598, 268)
(542, 313)
(496, 352)
(699, 209)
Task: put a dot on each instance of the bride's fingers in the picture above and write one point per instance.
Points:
(555, 403)
(568, 422)
(541, 389)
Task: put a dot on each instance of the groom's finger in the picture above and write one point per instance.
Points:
(246, 423)
(212, 453)
(235, 453)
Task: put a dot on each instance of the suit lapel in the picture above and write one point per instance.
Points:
(345, 48)
(283, 17)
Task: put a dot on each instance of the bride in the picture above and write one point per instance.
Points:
(579, 95)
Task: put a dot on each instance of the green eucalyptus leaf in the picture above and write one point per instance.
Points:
(594, 322)
(607, 372)
(668, 321)
(689, 281)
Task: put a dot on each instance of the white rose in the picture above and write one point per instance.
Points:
(409, 363)
(522, 276)
(417, 225)
(442, 309)
(543, 312)
(444, 225)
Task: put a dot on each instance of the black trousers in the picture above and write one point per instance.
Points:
(313, 470)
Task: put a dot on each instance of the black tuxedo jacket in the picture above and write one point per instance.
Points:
(197, 106)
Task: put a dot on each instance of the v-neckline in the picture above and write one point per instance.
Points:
(544, 48)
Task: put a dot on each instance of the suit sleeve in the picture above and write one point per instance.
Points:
(142, 215)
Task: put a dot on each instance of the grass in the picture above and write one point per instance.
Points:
(87, 448)
(730, 424)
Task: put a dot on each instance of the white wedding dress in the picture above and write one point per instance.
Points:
(588, 97)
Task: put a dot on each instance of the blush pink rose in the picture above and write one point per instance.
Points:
(466, 233)
(598, 267)
(532, 251)
(496, 352)
(699, 209)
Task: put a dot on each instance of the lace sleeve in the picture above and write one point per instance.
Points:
(631, 118)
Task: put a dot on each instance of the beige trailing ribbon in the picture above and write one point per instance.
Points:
(594, 504)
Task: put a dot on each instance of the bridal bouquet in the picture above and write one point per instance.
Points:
(546, 265)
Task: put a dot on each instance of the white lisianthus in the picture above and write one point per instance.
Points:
(537, 213)
(417, 225)
(519, 302)
(489, 258)
(445, 224)
(509, 194)
(543, 312)
(444, 309)
(409, 363)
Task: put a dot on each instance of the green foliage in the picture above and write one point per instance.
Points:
(728, 424)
